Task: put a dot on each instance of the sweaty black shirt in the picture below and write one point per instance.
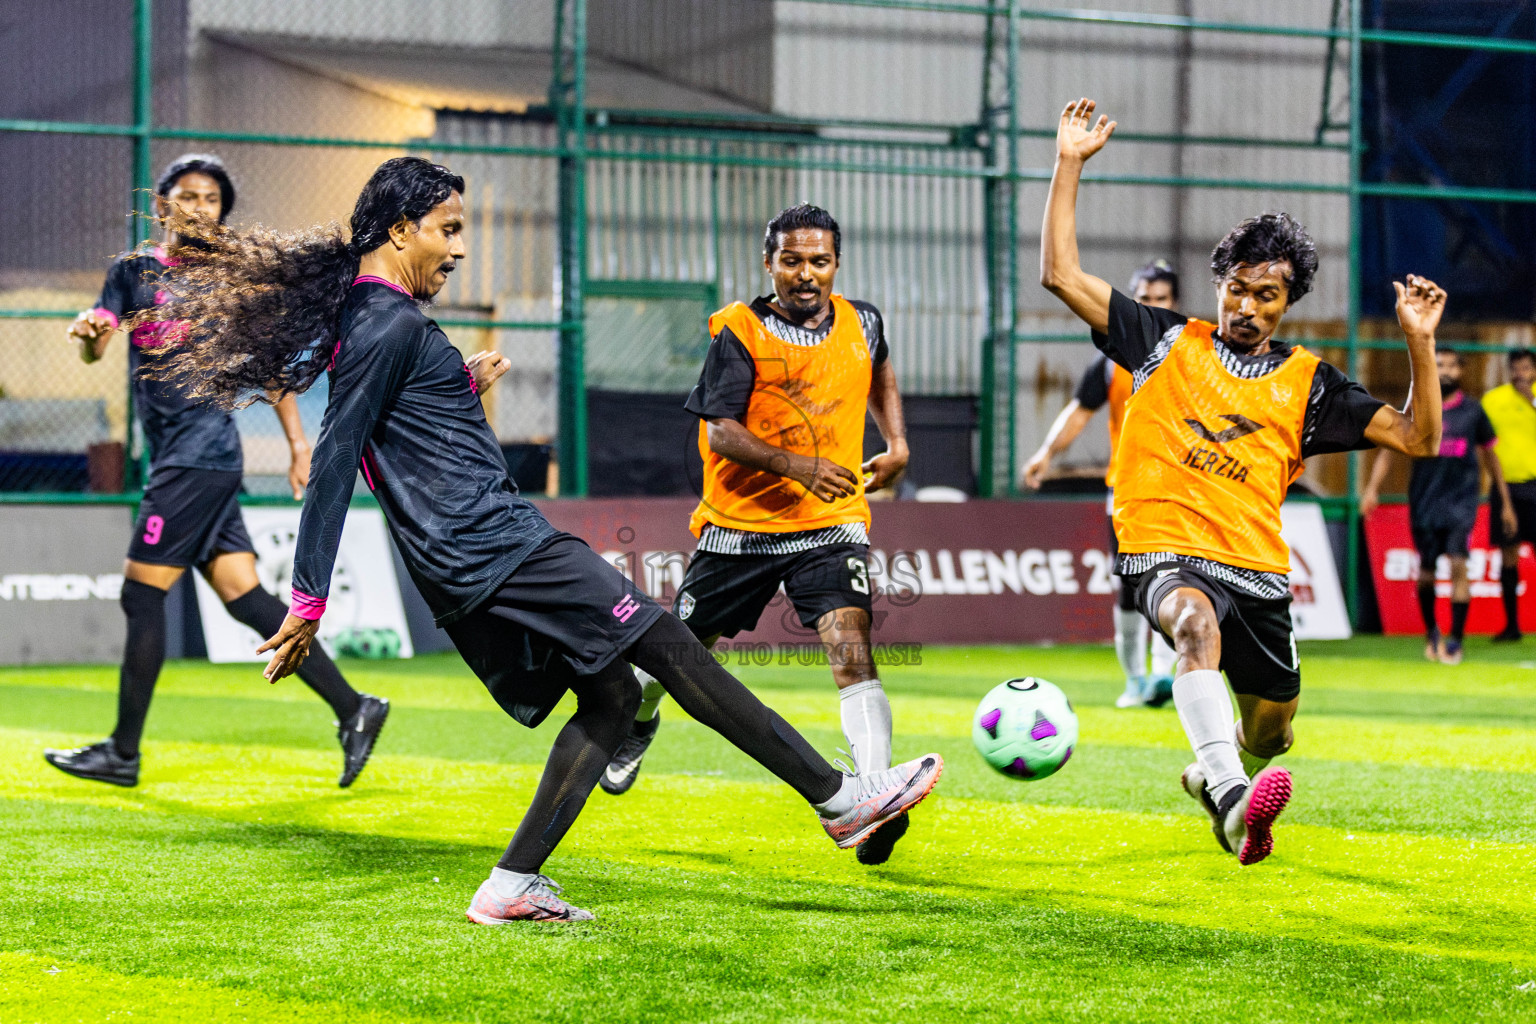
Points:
(179, 431)
(1338, 409)
(1443, 490)
(404, 408)
(725, 385)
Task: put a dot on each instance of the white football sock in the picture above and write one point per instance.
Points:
(1131, 643)
(867, 725)
(1251, 762)
(1205, 710)
(511, 884)
(1164, 657)
(651, 693)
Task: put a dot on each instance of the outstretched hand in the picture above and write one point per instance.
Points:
(291, 645)
(1078, 136)
(1419, 304)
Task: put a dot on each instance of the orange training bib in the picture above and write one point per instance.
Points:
(1206, 456)
(807, 399)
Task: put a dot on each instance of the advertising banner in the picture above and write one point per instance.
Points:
(974, 572)
(61, 573)
(1395, 571)
(363, 614)
(1317, 600)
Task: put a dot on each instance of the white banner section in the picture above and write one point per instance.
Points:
(1317, 600)
(363, 613)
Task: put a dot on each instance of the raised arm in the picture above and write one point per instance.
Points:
(1415, 431)
(1076, 140)
(287, 409)
(1069, 423)
(885, 407)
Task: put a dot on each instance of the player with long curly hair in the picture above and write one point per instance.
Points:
(533, 611)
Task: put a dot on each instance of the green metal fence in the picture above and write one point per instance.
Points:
(577, 211)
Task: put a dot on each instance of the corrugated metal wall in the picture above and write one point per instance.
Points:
(720, 48)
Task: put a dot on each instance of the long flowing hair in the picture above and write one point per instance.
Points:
(256, 312)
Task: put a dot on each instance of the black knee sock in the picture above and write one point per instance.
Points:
(1459, 611)
(717, 699)
(265, 613)
(143, 654)
(605, 708)
(1427, 608)
(1509, 581)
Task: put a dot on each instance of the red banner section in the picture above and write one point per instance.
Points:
(1395, 569)
(977, 572)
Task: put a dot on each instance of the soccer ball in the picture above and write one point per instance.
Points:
(1025, 728)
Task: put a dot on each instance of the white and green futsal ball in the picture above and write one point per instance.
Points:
(1025, 728)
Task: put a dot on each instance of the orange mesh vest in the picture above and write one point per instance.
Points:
(808, 399)
(1120, 387)
(1206, 457)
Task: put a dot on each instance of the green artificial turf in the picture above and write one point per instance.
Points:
(237, 883)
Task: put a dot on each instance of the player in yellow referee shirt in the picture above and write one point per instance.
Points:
(1511, 409)
(1217, 427)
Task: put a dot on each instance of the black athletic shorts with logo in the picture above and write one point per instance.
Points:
(1258, 647)
(188, 516)
(1523, 497)
(565, 612)
(723, 595)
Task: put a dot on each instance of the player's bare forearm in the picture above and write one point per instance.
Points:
(731, 440)
(1496, 482)
(885, 407)
(287, 409)
(1060, 271)
(1370, 497)
(1416, 430)
(1069, 423)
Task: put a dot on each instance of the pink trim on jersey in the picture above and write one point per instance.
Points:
(1454, 401)
(367, 476)
(306, 607)
(165, 260)
(374, 279)
(107, 315)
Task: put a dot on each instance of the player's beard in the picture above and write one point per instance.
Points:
(1448, 388)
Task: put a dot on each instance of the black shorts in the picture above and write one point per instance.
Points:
(1523, 497)
(723, 595)
(1434, 541)
(564, 613)
(1258, 646)
(188, 516)
(1127, 593)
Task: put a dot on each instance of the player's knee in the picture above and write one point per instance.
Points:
(1195, 630)
(1271, 742)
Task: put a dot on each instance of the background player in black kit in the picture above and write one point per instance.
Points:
(533, 611)
(1442, 503)
(189, 515)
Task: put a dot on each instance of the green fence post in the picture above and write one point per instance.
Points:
(1352, 335)
(135, 473)
(568, 97)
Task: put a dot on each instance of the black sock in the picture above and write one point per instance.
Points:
(1459, 611)
(605, 709)
(1427, 608)
(265, 614)
(143, 654)
(1509, 581)
(717, 699)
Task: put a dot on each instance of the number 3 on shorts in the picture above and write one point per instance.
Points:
(858, 575)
